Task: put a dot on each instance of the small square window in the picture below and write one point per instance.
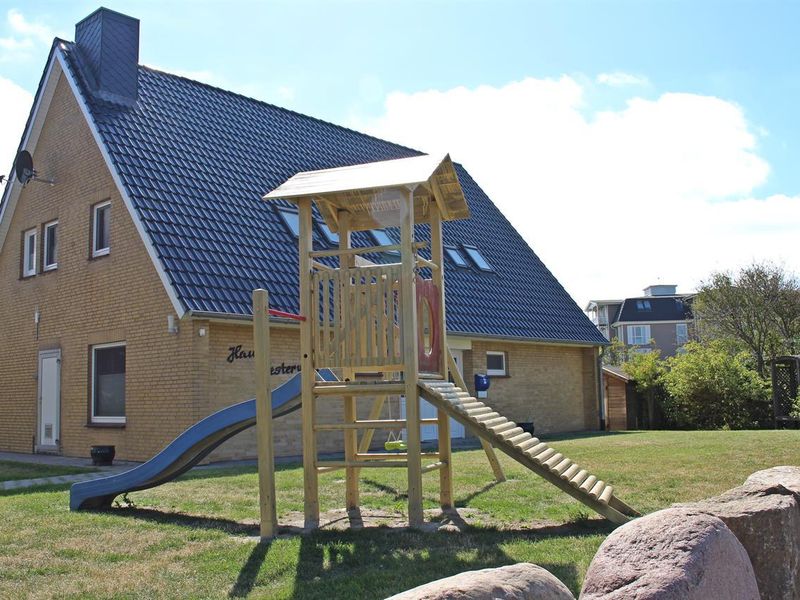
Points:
(292, 220)
(638, 335)
(29, 243)
(643, 305)
(496, 364)
(50, 246)
(477, 258)
(330, 237)
(108, 383)
(101, 226)
(455, 256)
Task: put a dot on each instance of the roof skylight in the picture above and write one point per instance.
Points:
(291, 219)
(454, 255)
(332, 238)
(477, 258)
(382, 239)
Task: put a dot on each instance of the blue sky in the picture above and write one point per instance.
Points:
(675, 107)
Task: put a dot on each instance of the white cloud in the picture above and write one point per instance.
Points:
(612, 201)
(25, 38)
(621, 79)
(15, 104)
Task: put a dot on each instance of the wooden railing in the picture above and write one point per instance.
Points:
(358, 310)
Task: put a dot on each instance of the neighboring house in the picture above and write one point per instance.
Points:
(125, 287)
(660, 319)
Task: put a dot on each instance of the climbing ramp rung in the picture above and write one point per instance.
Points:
(505, 435)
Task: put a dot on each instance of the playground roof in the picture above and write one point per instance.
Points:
(369, 189)
(193, 161)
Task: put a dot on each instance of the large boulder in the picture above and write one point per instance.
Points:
(765, 517)
(788, 477)
(523, 581)
(671, 554)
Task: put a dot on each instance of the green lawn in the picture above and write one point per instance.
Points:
(10, 470)
(194, 538)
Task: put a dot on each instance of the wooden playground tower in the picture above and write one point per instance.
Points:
(380, 327)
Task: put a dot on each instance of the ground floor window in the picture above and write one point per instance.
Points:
(108, 383)
(496, 364)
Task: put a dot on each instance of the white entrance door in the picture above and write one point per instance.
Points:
(49, 399)
(428, 411)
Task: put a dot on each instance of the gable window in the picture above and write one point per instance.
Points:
(29, 253)
(332, 238)
(496, 364)
(643, 305)
(681, 333)
(101, 224)
(455, 256)
(477, 258)
(108, 383)
(50, 246)
(639, 335)
(291, 219)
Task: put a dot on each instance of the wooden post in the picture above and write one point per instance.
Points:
(308, 378)
(346, 261)
(266, 457)
(410, 361)
(443, 429)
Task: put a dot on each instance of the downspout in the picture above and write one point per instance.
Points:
(601, 390)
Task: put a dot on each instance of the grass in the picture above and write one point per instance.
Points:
(193, 538)
(11, 470)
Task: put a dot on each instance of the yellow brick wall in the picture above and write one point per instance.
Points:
(84, 302)
(553, 386)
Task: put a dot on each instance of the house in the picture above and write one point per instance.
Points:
(660, 319)
(126, 285)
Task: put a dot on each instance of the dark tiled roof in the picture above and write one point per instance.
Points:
(654, 308)
(195, 161)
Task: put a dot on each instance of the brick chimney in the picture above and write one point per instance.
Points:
(108, 43)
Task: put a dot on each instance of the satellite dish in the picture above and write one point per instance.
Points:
(23, 169)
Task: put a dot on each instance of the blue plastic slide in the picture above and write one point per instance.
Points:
(188, 449)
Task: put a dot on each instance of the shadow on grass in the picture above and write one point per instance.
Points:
(464, 501)
(227, 526)
(249, 572)
(380, 563)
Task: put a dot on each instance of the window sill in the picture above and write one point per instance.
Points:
(100, 254)
(91, 424)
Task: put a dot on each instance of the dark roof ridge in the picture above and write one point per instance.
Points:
(280, 108)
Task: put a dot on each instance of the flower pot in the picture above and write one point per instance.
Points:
(102, 456)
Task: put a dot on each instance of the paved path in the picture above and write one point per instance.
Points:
(59, 461)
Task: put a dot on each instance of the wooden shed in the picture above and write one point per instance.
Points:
(620, 399)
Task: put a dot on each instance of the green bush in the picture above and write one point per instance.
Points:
(710, 388)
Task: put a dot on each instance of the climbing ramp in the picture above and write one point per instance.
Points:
(527, 450)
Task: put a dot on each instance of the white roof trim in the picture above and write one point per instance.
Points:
(30, 137)
(148, 244)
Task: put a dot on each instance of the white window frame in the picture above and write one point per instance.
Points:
(101, 419)
(46, 246)
(681, 339)
(633, 335)
(95, 250)
(29, 260)
(497, 372)
(477, 257)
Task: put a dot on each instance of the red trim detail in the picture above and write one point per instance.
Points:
(428, 292)
(286, 315)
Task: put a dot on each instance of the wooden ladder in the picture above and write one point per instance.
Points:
(505, 435)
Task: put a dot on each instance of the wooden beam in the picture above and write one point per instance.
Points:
(371, 424)
(266, 456)
(310, 477)
(346, 259)
(408, 328)
(343, 464)
(356, 389)
(365, 250)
